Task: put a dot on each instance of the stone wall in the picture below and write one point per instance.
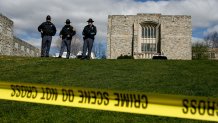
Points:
(11, 45)
(174, 36)
(119, 35)
(6, 35)
(22, 48)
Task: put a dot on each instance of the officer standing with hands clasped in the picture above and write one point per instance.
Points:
(66, 34)
(89, 33)
(47, 30)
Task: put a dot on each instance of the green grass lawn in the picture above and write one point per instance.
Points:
(193, 78)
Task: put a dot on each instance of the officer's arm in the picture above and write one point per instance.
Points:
(73, 32)
(40, 27)
(54, 29)
(94, 31)
(84, 33)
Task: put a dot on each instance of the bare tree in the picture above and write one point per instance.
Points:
(199, 51)
(76, 45)
(57, 43)
(211, 40)
(99, 49)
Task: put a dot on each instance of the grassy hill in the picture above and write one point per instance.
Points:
(195, 78)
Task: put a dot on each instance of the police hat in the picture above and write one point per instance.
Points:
(48, 17)
(90, 20)
(68, 21)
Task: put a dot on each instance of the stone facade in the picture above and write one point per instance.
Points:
(6, 35)
(144, 35)
(22, 48)
(11, 45)
(213, 53)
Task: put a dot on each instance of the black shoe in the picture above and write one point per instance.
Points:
(59, 57)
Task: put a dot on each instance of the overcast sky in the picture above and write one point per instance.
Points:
(28, 14)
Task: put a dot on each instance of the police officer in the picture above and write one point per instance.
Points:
(47, 30)
(89, 33)
(66, 34)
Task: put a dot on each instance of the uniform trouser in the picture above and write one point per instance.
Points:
(67, 43)
(88, 44)
(46, 44)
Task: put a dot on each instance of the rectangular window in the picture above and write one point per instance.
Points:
(148, 32)
(16, 45)
(143, 47)
(143, 32)
(149, 38)
(148, 47)
(153, 33)
(28, 50)
(22, 48)
(32, 52)
(9, 32)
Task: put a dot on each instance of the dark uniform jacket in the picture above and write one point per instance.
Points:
(67, 32)
(48, 29)
(89, 32)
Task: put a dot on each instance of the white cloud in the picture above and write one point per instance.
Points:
(211, 30)
(34, 42)
(28, 14)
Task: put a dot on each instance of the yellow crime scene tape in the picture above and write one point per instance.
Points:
(190, 107)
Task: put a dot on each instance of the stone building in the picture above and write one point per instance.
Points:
(145, 35)
(11, 45)
(213, 53)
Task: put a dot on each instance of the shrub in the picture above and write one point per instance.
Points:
(125, 57)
